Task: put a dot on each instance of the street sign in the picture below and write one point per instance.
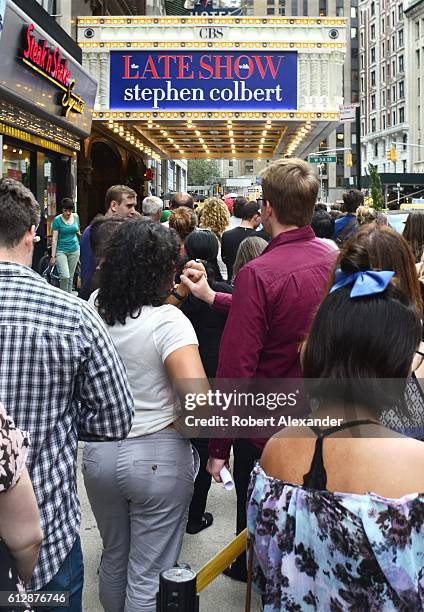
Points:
(347, 113)
(322, 159)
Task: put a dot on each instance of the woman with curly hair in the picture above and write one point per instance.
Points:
(215, 217)
(140, 488)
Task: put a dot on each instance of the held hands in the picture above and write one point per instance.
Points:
(194, 278)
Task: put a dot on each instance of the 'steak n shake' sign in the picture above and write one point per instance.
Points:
(50, 63)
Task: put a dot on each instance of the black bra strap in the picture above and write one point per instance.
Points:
(316, 478)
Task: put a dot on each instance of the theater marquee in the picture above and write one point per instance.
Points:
(199, 80)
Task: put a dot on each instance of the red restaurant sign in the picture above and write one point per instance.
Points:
(51, 64)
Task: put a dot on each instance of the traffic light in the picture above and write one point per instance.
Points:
(349, 160)
(392, 154)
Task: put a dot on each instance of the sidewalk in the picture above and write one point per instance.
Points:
(222, 594)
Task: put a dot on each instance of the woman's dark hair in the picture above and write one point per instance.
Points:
(138, 269)
(362, 342)
(322, 224)
(381, 248)
(360, 350)
(67, 204)
(204, 245)
(414, 234)
(102, 229)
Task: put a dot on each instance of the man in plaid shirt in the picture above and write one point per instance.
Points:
(60, 379)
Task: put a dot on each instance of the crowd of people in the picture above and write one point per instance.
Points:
(281, 290)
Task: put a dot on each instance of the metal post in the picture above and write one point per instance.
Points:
(358, 148)
(320, 166)
(177, 591)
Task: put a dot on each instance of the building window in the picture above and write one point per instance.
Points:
(362, 62)
(372, 78)
(417, 29)
(372, 9)
(401, 115)
(417, 56)
(373, 102)
(362, 107)
(373, 55)
(383, 98)
(382, 25)
(231, 163)
(281, 11)
(382, 49)
(393, 68)
(362, 84)
(362, 39)
(404, 140)
(322, 8)
(376, 150)
(383, 73)
(372, 32)
(419, 86)
(270, 11)
(230, 174)
(393, 18)
(373, 127)
(404, 165)
(394, 118)
(384, 122)
(393, 43)
(394, 93)
(401, 67)
(400, 36)
(400, 11)
(402, 90)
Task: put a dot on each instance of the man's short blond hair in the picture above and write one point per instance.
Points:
(290, 185)
(116, 192)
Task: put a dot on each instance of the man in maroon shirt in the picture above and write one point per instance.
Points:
(274, 300)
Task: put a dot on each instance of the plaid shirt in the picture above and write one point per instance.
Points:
(60, 379)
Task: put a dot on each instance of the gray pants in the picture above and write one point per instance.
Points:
(140, 491)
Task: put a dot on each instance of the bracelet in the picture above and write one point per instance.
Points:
(177, 295)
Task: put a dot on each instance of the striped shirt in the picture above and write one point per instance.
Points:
(60, 379)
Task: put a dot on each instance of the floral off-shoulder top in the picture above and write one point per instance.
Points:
(14, 445)
(333, 552)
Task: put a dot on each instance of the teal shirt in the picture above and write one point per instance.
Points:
(67, 241)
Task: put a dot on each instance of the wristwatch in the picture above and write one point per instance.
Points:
(177, 295)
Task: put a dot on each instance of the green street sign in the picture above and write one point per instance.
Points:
(322, 159)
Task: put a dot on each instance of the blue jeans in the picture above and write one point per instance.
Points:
(70, 577)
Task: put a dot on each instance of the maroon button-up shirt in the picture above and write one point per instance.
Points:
(274, 301)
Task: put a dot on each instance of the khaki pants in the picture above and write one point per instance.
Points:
(67, 263)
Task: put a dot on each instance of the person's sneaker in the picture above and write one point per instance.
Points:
(207, 520)
(236, 573)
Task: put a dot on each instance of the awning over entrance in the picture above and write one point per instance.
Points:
(220, 87)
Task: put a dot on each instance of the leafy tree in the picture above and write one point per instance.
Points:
(202, 172)
(376, 187)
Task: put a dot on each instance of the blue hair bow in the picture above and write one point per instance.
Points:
(364, 283)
